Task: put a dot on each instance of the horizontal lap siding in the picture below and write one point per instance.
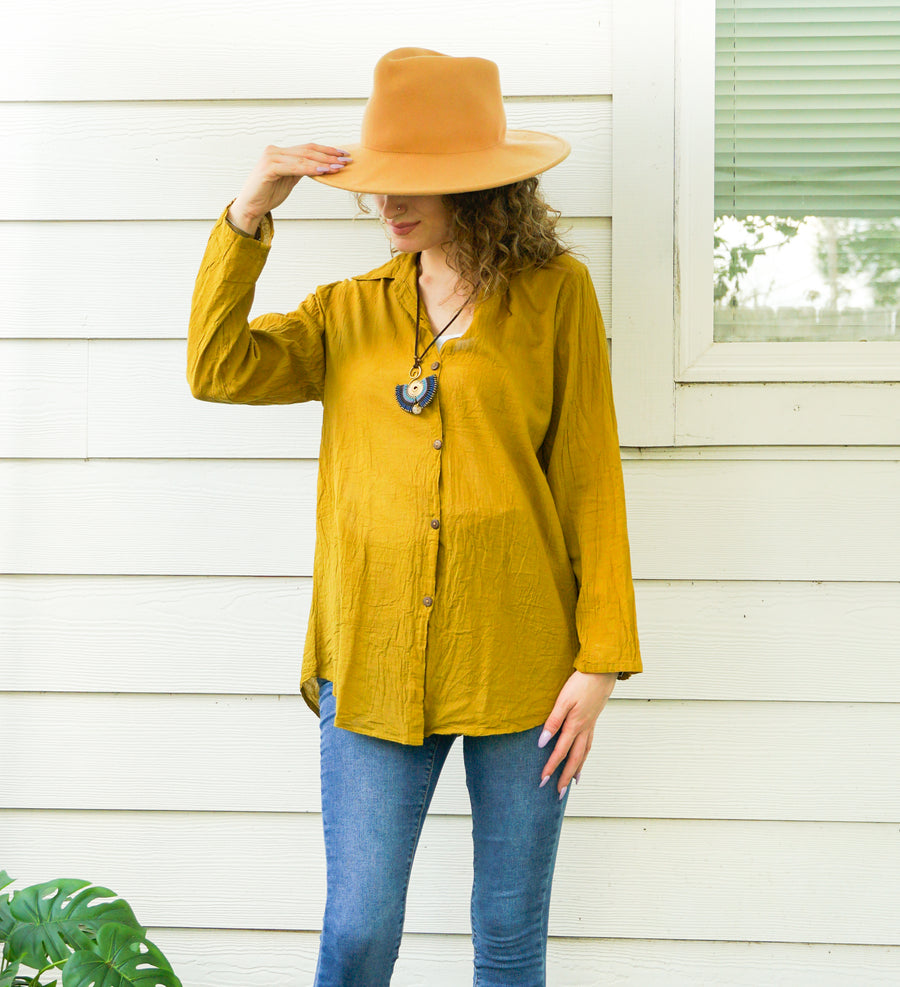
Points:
(644, 878)
(177, 161)
(146, 50)
(701, 639)
(736, 822)
(149, 269)
(833, 761)
(710, 519)
(222, 958)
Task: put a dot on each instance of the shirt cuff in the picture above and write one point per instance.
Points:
(256, 236)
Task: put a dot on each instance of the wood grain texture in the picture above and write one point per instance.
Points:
(160, 160)
(704, 519)
(134, 279)
(222, 958)
(663, 758)
(43, 397)
(643, 209)
(173, 51)
(655, 878)
(729, 639)
(796, 413)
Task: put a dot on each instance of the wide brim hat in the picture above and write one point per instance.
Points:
(436, 124)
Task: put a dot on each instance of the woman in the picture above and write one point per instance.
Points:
(472, 573)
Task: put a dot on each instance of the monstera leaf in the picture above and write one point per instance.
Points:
(8, 977)
(51, 920)
(6, 920)
(121, 957)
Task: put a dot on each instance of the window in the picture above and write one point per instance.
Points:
(678, 382)
(807, 170)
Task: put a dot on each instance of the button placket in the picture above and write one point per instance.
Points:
(435, 524)
(428, 571)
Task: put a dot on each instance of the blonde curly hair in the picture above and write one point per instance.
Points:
(497, 233)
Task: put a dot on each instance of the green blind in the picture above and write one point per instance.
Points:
(807, 109)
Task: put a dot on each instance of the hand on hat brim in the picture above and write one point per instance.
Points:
(523, 154)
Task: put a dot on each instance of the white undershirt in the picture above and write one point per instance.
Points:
(448, 335)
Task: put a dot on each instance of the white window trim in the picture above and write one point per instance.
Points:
(673, 384)
(699, 358)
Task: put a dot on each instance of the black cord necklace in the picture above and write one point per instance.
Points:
(413, 397)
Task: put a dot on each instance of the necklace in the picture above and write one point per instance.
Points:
(413, 396)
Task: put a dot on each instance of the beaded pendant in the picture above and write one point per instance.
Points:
(413, 397)
(416, 394)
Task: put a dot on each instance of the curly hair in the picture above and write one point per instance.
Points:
(497, 233)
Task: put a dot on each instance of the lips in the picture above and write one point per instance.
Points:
(402, 227)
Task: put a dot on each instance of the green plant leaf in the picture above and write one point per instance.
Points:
(121, 957)
(9, 975)
(6, 920)
(52, 920)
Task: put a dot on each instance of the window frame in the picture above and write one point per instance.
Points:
(676, 385)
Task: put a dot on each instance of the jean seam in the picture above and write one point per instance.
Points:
(412, 849)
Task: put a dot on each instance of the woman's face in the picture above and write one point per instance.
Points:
(414, 222)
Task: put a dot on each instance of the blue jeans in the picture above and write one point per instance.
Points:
(375, 795)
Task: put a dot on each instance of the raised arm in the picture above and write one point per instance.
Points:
(275, 359)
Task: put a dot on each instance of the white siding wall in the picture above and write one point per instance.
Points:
(737, 821)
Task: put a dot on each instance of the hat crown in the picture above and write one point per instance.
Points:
(425, 102)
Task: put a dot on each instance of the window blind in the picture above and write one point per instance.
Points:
(807, 109)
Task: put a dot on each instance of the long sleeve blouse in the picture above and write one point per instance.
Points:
(469, 557)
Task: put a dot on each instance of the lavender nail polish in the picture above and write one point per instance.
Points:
(545, 736)
(563, 792)
(544, 782)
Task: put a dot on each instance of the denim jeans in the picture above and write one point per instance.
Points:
(375, 795)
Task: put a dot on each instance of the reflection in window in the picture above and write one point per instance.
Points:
(807, 190)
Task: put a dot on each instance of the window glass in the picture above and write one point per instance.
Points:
(807, 162)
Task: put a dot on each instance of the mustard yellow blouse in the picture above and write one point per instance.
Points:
(467, 558)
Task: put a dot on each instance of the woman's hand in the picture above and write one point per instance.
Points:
(573, 717)
(275, 175)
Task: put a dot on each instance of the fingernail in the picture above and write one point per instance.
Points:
(322, 168)
(577, 777)
(346, 158)
(336, 167)
(544, 782)
(545, 736)
(339, 151)
(563, 792)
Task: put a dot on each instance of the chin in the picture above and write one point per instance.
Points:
(409, 245)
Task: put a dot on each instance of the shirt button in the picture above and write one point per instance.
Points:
(435, 365)
(438, 443)
(428, 601)
(435, 523)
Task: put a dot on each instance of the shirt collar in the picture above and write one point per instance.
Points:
(404, 274)
(406, 271)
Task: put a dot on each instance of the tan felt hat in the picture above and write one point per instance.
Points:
(435, 124)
